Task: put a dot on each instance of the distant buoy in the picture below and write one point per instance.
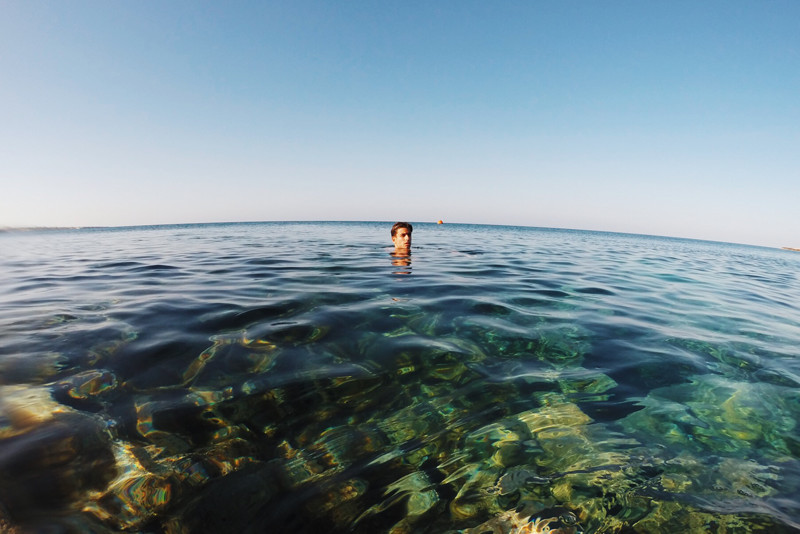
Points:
(440, 222)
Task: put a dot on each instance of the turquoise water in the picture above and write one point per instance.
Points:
(296, 377)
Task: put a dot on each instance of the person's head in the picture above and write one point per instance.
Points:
(401, 235)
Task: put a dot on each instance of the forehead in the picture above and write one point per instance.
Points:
(401, 231)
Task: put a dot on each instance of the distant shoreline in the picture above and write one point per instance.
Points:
(790, 248)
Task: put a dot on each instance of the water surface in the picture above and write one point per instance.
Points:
(298, 377)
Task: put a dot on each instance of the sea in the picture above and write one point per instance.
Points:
(302, 377)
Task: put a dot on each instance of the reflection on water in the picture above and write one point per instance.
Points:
(401, 260)
(244, 378)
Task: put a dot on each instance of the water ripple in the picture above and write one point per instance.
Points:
(291, 376)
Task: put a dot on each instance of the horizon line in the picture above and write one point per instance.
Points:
(22, 229)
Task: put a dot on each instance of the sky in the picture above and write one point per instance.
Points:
(677, 118)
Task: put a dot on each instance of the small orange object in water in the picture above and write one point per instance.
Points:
(440, 222)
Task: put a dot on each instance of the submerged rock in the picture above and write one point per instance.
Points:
(238, 502)
(51, 467)
(514, 522)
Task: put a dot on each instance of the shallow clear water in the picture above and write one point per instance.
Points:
(297, 377)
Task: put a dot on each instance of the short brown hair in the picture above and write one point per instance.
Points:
(399, 225)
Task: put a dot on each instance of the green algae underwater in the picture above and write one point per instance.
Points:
(297, 377)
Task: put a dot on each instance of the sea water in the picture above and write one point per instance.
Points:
(299, 377)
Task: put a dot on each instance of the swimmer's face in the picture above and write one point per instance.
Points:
(402, 239)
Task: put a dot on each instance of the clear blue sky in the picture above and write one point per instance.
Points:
(669, 118)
